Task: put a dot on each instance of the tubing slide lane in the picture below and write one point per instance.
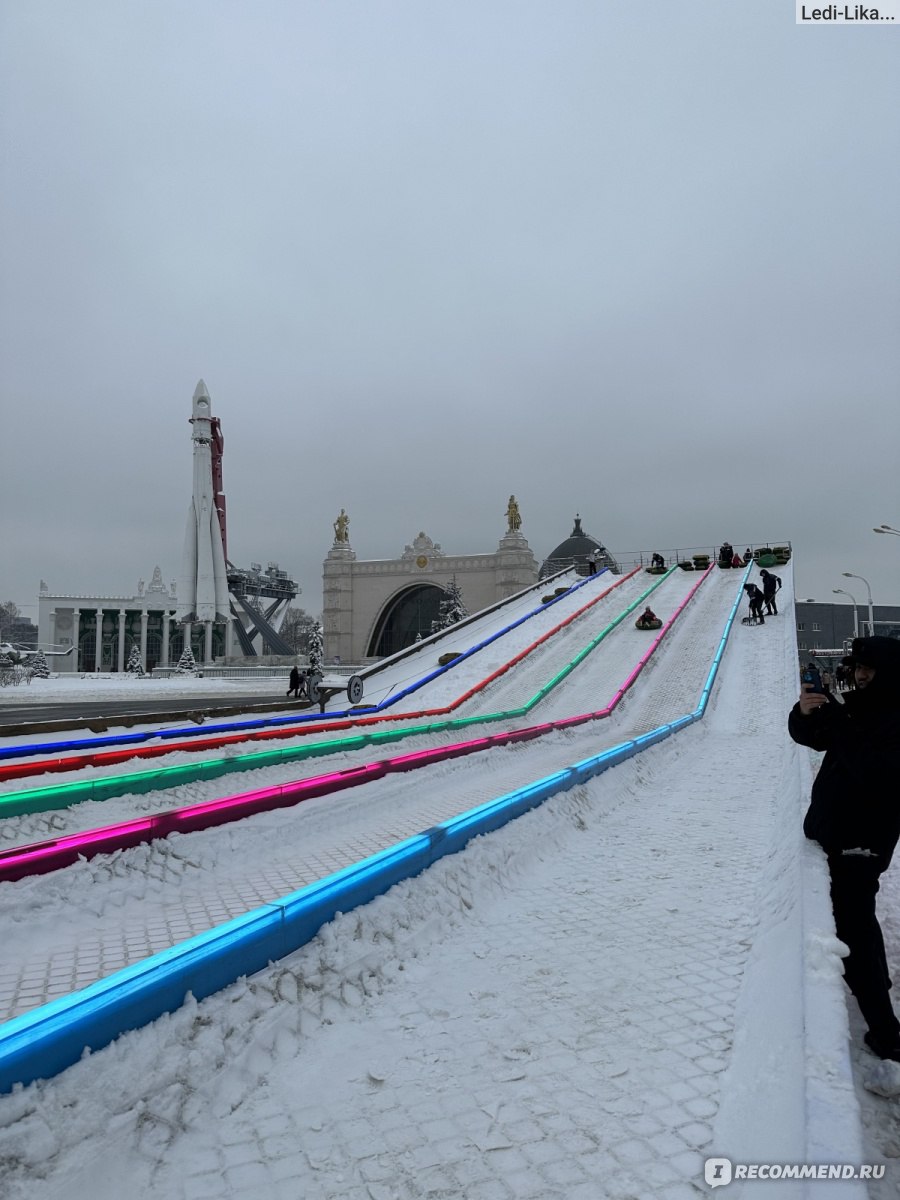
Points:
(265, 724)
(40, 858)
(42, 1043)
(65, 795)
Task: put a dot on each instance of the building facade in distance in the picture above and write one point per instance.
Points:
(104, 628)
(825, 626)
(375, 607)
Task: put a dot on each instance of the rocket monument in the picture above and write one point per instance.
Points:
(203, 594)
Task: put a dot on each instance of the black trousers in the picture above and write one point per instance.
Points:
(854, 886)
(771, 606)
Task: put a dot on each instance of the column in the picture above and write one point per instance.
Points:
(164, 654)
(229, 638)
(120, 658)
(337, 599)
(98, 649)
(76, 634)
(207, 648)
(53, 627)
(145, 617)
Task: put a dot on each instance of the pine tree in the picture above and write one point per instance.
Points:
(316, 647)
(186, 664)
(39, 667)
(452, 608)
(134, 664)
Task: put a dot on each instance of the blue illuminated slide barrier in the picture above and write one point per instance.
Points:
(41, 1043)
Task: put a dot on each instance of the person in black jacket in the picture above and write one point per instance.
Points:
(854, 815)
(771, 584)
(755, 596)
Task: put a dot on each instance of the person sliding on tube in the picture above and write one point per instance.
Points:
(648, 619)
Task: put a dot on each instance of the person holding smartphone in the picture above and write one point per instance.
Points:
(854, 815)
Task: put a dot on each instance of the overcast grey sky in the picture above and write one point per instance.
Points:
(635, 260)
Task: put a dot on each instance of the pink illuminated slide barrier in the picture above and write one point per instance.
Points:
(109, 758)
(39, 858)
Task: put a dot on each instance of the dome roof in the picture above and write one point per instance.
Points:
(575, 550)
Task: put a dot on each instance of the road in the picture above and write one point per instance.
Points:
(112, 710)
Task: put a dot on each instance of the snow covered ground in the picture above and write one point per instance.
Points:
(585, 1004)
(71, 688)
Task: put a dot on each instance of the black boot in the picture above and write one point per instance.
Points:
(883, 1047)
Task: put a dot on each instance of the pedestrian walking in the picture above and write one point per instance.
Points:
(294, 683)
(855, 818)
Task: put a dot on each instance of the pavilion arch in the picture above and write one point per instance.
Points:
(375, 607)
(406, 614)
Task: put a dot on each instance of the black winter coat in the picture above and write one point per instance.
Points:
(856, 794)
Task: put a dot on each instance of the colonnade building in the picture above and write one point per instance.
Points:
(103, 629)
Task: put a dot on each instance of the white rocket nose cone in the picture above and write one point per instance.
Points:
(200, 390)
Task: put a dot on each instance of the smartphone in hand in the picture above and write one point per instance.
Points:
(812, 681)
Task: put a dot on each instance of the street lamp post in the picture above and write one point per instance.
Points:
(887, 529)
(850, 575)
(841, 592)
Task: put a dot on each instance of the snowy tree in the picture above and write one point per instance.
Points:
(316, 649)
(134, 664)
(186, 664)
(296, 629)
(39, 667)
(9, 614)
(452, 608)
